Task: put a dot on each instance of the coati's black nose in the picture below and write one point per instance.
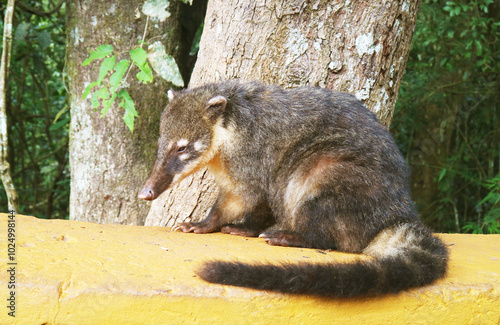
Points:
(147, 193)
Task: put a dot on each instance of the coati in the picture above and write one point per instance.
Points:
(314, 163)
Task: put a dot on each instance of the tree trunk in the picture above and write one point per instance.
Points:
(359, 47)
(8, 184)
(109, 164)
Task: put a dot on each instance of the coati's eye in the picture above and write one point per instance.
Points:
(181, 145)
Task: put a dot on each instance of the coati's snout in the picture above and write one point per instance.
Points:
(175, 161)
(159, 180)
(152, 189)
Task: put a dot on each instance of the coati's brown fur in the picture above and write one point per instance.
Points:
(314, 163)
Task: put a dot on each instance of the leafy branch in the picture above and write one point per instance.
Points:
(115, 87)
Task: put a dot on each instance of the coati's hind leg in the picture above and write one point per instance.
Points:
(309, 225)
(306, 212)
(254, 222)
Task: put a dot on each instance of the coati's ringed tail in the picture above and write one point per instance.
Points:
(397, 264)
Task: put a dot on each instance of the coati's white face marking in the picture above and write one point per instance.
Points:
(184, 156)
(199, 146)
(170, 95)
(182, 143)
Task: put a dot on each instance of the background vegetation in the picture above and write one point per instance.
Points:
(446, 120)
(38, 111)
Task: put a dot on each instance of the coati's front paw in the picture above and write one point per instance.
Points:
(283, 238)
(196, 227)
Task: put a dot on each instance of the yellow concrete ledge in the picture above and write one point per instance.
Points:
(72, 272)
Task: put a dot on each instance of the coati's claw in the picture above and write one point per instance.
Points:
(194, 227)
(239, 231)
(283, 238)
(184, 227)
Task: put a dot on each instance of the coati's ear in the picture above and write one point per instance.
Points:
(171, 95)
(216, 106)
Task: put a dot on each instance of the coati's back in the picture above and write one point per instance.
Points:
(315, 163)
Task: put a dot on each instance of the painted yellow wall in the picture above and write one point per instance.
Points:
(71, 272)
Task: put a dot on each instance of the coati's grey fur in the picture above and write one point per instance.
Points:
(316, 164)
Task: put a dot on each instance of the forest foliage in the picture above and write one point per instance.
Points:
(38, 111)
(446, 120)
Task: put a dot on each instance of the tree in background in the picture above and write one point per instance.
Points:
(448, 117)
(5, 171)
(37, 104)
(109, 163)
(37, 111)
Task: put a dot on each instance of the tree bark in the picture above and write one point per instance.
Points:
(5, 174)
(358, 47)
(109, 164)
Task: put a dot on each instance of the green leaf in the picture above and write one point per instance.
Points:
(120, 69)
(130, 112)
(43, 39)
(466, 75)
(127, 102)
(94, 101)
(87, 90)
(195, 46)
(22, 31)
(139, 56)
(107, 103)
(59, 124)
(106, 66)
(144, 77)
(128, 118)
(156, 9)
(164, 64)
(479, 47)
(102, 93)
(487, 198)
(443, 172)
(61, 112)
(470, 227)
(100, 52)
